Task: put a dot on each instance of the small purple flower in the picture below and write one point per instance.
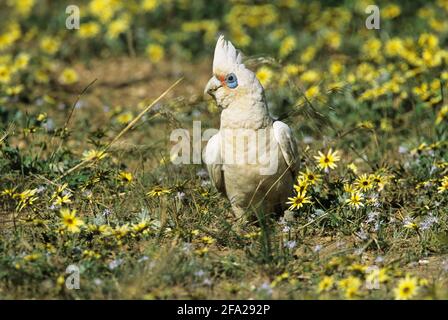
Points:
(202, 173)
(186, 247)
(362, 234)
(290, 244)
(428, 222)
(408, 221)
(402, 149)
(340, 244)
(39, 102)
(265, 288)
(372, 216)
(79, 104)
(142, 259)
(282, 221)
(200, 273)
(180, 196)
(48, 125)
(87, 193)
(308, 139)
(206, 183)
(445, 265)
(376, 226)
(115, 263)
(317, 213)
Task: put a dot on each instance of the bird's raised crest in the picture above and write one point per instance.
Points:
(227, 58)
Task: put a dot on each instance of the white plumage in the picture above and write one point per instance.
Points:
(226, 59)
(230, 153)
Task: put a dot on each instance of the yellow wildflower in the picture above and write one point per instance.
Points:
(155, 52)
(264, 75)
(68, 76)
(325, 284)
(158, 191)
(298, 201)
(69, 220)
(355, 200)
(406, 289)
(327, 161)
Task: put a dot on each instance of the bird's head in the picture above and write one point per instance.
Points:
(231, 80)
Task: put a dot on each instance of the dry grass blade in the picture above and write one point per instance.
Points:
(70, 115)
(7, 132)
(122, 132)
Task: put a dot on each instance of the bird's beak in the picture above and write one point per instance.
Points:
(212, 85)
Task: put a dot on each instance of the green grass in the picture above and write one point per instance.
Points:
(185, 242)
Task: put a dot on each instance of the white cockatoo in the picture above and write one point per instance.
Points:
(253, 158)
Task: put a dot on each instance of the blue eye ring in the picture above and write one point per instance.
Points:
(232, 81)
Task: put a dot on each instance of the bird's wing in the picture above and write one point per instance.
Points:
(288, 146)
(214, 162)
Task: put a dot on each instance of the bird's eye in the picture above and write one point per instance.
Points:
(231, 81)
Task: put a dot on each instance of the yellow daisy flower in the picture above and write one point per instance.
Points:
(364, 183)
(406, 289)
(327, 161)
(298, 201)
(351, 286)
(309, 177)
(125, 177)
(155, 52)
(444, 185)
(69, 220)
(158, 191)
(325, 284)
(355, 200)
(93, 155)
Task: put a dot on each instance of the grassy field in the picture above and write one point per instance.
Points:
(77, 188)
